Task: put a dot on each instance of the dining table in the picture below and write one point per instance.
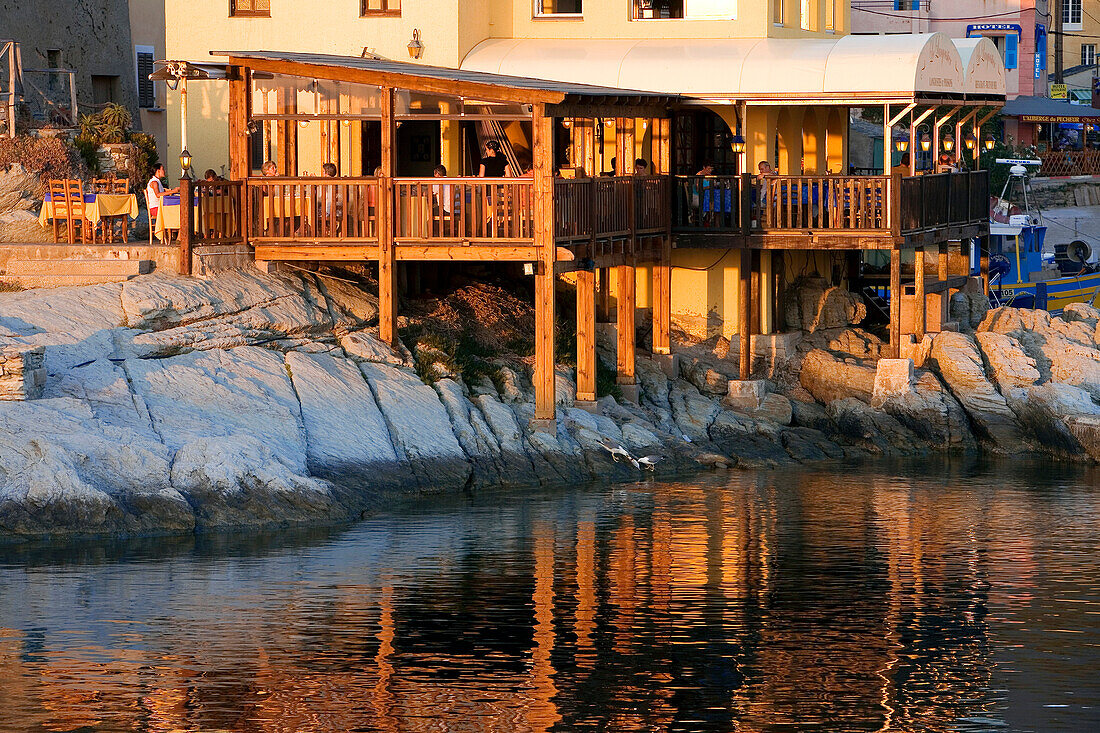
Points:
(97, 206)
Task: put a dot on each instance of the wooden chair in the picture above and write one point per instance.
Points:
(68, 203)
(57, 199)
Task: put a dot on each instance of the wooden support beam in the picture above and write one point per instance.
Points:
(387, 261)
(895, 302)
(744, 313)
(662, 300)
(663, 136)
(754, 294)
(240, 107)
(185, 226)
(586, 335)
(942, 275)
(624, 320)
(983, 254)
(545, 277)
(919, 320)
(603, 296)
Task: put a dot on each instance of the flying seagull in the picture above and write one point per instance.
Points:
(617, 452)
(650, 462)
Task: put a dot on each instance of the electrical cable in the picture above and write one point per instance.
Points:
(706, 269)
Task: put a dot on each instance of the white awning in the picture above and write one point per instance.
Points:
(983, 69)
(852, 68)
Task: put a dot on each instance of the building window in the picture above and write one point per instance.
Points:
(807, 15)
(144, 57)
(380, 7)
(830, 15)
(778, 11)
(104, 89)
(557, 7)
(685, 9)
(250, 8)
(1071, 15)
(1088, 54)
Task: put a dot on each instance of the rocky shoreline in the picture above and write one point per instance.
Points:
(169, 404)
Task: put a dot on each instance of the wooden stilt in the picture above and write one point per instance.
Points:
(662, 300)
(543, 141)
(603, 296)
(895, 302)
(586, 336)
(185, 227)
(919, 319)
(744, 314)
(624, 320)
(387, 261)
(983, 245)
(754, 293)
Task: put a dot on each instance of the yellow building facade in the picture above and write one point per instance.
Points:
(794, 136)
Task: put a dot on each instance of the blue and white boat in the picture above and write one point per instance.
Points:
(1020, 273)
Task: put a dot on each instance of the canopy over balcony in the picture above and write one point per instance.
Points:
(853, 69)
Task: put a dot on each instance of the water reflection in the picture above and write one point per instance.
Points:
(919, 598)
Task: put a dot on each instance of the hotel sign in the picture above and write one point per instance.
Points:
(979, 28)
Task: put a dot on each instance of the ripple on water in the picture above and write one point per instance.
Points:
(956, 596)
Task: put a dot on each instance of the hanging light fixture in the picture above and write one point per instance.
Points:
(567, 122)
(901, 143)
(990, 143)
(970, 141)
(948, 142)
(925, 142)
(737, 143)
(416, 48)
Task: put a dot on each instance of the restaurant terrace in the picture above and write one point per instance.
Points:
(551, 211)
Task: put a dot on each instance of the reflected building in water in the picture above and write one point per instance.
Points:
(751, 607)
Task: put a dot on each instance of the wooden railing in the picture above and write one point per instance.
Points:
(605, 208)
(219, 213)
(822, 203)
(338, 210)
(1070, 163)
(706, 203)
(437, 210)
(943, 199)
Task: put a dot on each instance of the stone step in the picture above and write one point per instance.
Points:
(78, 268)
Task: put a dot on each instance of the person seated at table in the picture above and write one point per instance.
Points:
(155, 193)
(641, 167)
(269, 169)
(211, 176)
(442, 202)
(764, 168)
(946, 164)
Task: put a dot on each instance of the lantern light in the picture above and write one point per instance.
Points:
(990, 143)
(901, 144)
(948, 142)
(185, 163)
(970, 141)
(416, 48)
(738, 144)
(925, 142)
(567, 122)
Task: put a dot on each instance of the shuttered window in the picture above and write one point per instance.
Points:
(147, 97)
(1012, 51)
(380, 7)
(250, 8)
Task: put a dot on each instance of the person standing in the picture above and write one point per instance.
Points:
(494, 163)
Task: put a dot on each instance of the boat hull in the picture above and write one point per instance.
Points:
(1051, 295)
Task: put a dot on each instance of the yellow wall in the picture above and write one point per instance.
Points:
(147, 28)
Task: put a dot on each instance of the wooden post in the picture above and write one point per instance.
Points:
(387, 259)
(586, 335)
(942, 274)
(983, 254)
(895, 302)
(744, 313)
(185, 226)
(543, 144)
(240, 109)
(603, 295)
(662, 299)
(624, 320)
(919, 319)
(755, 317)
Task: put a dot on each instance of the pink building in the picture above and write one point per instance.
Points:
(1019, 28)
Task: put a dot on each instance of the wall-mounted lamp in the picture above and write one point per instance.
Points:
(345, 123)
(416, 48)
(925, 142)
(567, 122)
(970, 141)
(990, 143)
(303, 123)
(948, 142)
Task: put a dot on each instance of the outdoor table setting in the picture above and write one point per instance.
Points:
(97, 207)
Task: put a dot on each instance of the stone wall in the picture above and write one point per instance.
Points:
(1053, 193)
(22, 372)
(92, 35)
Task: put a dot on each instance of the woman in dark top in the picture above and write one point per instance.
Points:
(493, 164)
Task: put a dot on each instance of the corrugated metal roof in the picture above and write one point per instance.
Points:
(569, 89)
(1044, 107)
